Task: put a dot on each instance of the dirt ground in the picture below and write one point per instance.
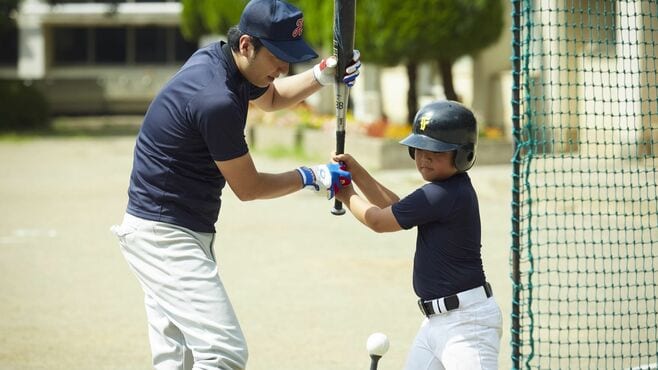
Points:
(308, 287)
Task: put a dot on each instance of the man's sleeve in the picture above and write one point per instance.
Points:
(222, 124)
(256, 92)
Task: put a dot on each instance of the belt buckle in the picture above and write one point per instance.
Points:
(451, 302)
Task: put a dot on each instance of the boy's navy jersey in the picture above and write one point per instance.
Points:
(197, 118)
(447, 258)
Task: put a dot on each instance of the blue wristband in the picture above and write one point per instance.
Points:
(308, 179)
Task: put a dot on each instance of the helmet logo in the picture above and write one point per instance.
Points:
(423, 122)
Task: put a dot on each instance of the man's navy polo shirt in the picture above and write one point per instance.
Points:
(198, 118)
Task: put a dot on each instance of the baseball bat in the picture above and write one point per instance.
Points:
(344, 20)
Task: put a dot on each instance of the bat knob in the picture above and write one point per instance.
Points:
(338, 211)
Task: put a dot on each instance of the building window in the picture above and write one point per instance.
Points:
(9, 49)
(120, 46)
(71, 45)
(110, 45)
(151, 45)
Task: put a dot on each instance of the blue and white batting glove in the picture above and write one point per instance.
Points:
(330, 177)
(325, 71)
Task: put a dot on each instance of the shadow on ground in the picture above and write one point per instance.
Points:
(83, 126)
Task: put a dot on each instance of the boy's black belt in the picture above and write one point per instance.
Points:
(455, 301)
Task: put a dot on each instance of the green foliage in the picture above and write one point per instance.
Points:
(216, 16)
(318, 23)
(376, 32)
(23, 107)
(393, 32)
(412, 32)
(388, 32)
(462, 27)
(191, 25)
(200, 17)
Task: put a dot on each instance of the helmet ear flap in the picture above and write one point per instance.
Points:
(465, 158)
(412, 152)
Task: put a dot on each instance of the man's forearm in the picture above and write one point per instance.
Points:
(290, 90)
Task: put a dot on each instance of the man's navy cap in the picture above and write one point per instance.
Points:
(279, 27)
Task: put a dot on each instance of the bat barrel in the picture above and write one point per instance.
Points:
(344, 26)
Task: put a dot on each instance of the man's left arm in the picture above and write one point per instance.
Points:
(249, 184)
(287, 91)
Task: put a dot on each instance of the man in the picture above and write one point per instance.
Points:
(190, 145)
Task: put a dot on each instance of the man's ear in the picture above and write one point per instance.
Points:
(245, 45)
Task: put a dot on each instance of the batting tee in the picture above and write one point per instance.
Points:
(585, 192)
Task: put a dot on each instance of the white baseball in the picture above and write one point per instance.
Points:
(377, 344)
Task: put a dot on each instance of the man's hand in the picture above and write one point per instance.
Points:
(325, 71)
(330, 177)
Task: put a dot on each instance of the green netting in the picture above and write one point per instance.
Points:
(585, 197)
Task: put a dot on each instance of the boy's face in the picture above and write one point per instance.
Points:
(435, 166)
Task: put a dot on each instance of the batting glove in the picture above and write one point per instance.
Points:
(325, 71)
(330, 177)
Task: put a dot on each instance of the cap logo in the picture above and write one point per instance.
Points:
(423, 122)
(297, 32)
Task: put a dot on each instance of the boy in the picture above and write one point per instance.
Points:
(463, 322)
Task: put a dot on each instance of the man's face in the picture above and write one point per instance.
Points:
(263, 67)
(435, 166)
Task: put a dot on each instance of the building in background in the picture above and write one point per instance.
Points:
(113, 57)
(98, 57)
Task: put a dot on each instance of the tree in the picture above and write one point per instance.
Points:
(388, 32)
(411, 32)
(459, 28)
(201, 17)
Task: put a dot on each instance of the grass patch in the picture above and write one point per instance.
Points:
(285, 152)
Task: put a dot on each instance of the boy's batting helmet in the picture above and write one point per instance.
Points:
(445, 126)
